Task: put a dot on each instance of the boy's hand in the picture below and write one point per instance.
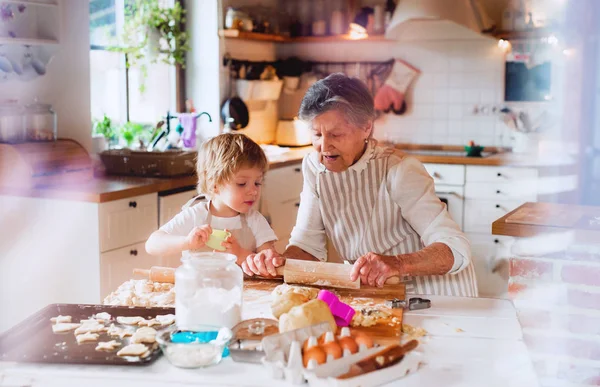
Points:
(197, 238)
(231, 245)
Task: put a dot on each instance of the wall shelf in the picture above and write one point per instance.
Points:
(31, 2)
(29, 42)
(242, 35)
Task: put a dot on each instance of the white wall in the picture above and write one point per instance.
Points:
(66, 84)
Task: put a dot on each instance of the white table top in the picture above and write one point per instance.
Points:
(470, 342)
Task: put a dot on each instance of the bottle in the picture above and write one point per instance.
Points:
(209, 291)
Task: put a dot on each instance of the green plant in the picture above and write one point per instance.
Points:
(104, 128)
(131, 131)
(142, 17)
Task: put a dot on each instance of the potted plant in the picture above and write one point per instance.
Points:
(130, 132)
(152, 33)
(104, 128)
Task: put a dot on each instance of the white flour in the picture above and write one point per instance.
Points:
(209, 306)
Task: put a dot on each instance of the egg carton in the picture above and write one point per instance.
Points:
(283, 359)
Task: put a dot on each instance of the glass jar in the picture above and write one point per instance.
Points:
(208, 288)
(11, 123)
(40, 122)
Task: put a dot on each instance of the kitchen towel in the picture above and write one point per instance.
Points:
(391, 95)
(188, 121)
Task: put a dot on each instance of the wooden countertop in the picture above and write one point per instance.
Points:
(110, 187)
(531, 219)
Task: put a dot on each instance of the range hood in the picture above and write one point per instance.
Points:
(438, 20)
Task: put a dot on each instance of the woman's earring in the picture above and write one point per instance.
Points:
(366, 140)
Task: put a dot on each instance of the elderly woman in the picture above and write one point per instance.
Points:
(376, 205)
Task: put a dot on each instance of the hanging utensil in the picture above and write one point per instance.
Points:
(234, 111)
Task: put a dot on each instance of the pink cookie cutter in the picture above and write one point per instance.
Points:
(342, 313)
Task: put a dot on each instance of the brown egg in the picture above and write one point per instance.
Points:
(315, 353)
(333, 349)
(364, 339)
(348, 343)
(309, 343)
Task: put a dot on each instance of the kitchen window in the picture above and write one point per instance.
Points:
(115, 88)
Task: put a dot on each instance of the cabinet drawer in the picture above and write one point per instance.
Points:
(284, 183)
(522, 190)
(116, 266)
(480, 214)
(170, 205)
(499, 174)
(446, 174)
(127, 221)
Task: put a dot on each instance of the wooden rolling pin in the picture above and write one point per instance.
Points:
(294, 271)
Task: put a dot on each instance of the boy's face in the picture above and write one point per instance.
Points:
(242, 191)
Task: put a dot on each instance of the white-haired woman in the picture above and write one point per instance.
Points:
(376, 205)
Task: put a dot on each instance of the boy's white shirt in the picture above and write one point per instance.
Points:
(195, 216)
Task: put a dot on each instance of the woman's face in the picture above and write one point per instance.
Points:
(339, 144)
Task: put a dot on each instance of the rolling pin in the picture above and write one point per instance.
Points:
(294, 271)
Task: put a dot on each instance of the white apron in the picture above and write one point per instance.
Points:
(361, 217)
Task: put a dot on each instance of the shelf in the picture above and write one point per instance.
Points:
(536, 33)
(29, 42)
(31, 2)
(242, 35)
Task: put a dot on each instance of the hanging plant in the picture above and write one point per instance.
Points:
(152, 33)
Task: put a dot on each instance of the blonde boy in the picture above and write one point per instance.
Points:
(230, 171)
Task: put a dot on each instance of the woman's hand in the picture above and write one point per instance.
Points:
(263, 263)
(374, 269)
(197, 238)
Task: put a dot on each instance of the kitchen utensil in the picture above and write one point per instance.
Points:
(414, 303)
(205, 350)
(247, 335)
(216, 238)
(234, 111)
(32, 340)
(342, 313)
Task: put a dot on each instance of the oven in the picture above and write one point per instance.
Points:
(453, 197)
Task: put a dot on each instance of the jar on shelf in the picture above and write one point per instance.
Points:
(40, 122)
(208, 288)
(12, 129)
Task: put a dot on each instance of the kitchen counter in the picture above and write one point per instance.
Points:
(532, 219)
(110, 187)
(469, 340)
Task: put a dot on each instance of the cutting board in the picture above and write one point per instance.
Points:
(257, 294)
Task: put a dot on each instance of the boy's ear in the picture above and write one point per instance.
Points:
(215, 189)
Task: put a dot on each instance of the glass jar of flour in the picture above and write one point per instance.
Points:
(208, 291)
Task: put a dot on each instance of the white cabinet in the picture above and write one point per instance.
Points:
(446, 174)
(281, 199)
(490, 255)
(170, 205)
(116, 266)
(127, 221)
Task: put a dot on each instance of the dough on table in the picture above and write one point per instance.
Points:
(133, 350)
(367, 317)
(144, 335)
(310, 293)
(108, 345)
(283, 303)
(313, 312)
(64, 327)
(60, 319)
(129, 320)
(165, 319)
(88, 336)
(115, 331)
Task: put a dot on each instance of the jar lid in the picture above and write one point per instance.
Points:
(39, 107)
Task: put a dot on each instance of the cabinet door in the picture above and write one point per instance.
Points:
(446, 174)
(480, 214)
(283, 184)
(490, 255)
(170, 205)
(283, 219)
(116, 266)
(127, 221)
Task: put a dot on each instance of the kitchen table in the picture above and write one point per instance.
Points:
(470, 342)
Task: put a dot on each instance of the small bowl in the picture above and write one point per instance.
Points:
(215, 239)
(474, 151)
(204, 351)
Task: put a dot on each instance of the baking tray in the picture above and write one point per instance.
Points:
(32, 340)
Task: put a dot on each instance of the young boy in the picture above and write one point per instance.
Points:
(230, 171)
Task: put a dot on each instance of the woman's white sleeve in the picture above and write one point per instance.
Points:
(309, 231)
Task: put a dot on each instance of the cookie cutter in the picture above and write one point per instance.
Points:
(414, 303)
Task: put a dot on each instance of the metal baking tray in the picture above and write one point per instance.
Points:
(32, 340)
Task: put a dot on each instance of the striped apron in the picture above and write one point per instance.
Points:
(360, 217)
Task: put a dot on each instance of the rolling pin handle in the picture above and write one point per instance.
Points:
(395, 280)
(143, 272)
